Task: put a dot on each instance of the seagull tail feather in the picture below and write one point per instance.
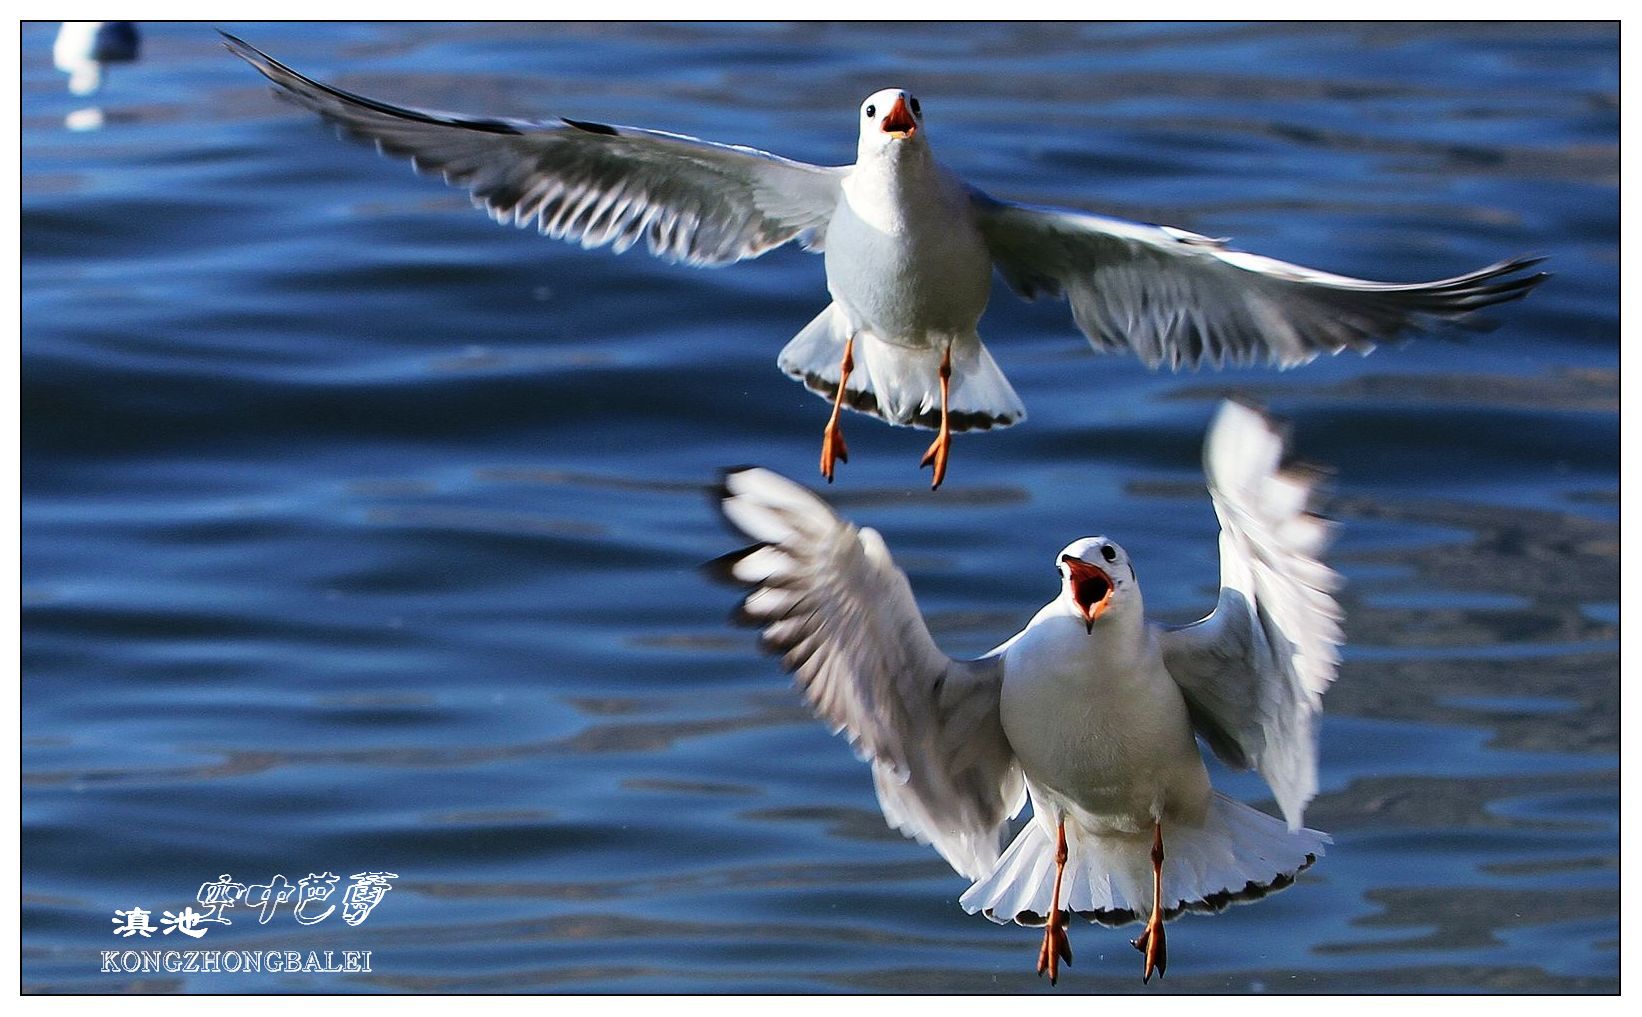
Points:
(900, 383)
(1239, 854)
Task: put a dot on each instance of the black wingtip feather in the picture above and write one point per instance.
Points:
(1249, 402)
(292, 84)
(726, 472)
(592, 128)
(722, 568)
(718, 493)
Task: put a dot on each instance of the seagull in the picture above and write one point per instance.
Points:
(1089, 711)
(909, 251)
(82, 49)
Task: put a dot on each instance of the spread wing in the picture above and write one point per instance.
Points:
(1179, 299)
(1254, 671)
(831, 601)
(692, 201)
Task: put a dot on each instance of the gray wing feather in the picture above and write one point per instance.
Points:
(1179, 299)
(691, 201)
(1254, 671)
(831, 601)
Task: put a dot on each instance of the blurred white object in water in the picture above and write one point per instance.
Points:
(83, 47)
(88, 119)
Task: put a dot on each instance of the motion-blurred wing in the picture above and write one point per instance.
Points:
(692, 201)
(1254, 671)
(1179, 299)
(831, 601)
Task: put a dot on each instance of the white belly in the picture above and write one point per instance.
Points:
(914, 273)
(1111, 744)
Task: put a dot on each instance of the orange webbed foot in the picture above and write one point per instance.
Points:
(1057, 947)
(941, 447)
(833, 449)
(1154, 946)
(937, 455)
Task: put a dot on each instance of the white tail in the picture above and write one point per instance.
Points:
(902, 384)
(1239, 854)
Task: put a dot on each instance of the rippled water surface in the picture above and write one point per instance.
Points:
(361, 534)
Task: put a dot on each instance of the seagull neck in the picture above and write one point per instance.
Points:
(1061, 649)
(1116, 636)
(898, 169)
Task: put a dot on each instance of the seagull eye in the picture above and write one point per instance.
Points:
(1109, 553)
(872, 111)
(917, 110)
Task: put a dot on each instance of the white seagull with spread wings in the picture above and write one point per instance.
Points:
(909, 248)
(1090, 710)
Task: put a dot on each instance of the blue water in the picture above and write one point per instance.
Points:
(361, 534)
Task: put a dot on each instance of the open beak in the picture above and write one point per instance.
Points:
(1091, 588)
(899, 121)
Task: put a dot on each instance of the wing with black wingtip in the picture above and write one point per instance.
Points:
(831, 601)
(690, 201)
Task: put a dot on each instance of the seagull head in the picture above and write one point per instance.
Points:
(891, 119)
(1096, 579)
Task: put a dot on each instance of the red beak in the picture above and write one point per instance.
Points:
(1091, 588)
(899, 121)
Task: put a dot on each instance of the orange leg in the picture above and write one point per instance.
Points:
(832, 439)
(1151, 942)
(941, 447)
(1056, 945)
